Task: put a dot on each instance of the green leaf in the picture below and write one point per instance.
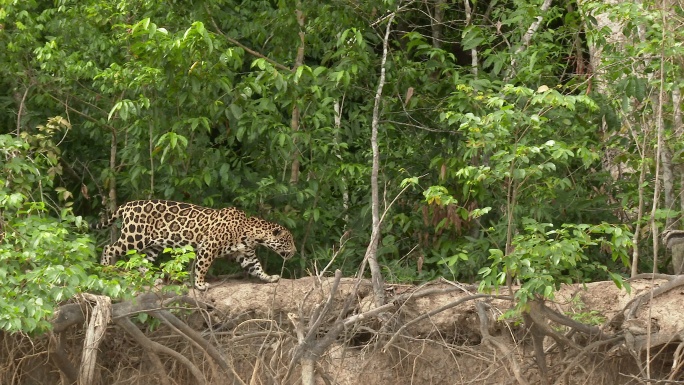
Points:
(235, 110)
(472, 37)
(298, 73)
(116, 107)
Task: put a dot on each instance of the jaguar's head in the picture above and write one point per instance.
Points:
(276, 238)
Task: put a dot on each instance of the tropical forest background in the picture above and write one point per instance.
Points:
(539, 139)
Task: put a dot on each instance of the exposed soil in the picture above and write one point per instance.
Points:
(295, 332)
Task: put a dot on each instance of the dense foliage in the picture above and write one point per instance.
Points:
(495, 132)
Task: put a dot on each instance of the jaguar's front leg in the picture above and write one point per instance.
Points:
(251, 264)
(203, 259)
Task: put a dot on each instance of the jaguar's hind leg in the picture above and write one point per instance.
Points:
(111, 253)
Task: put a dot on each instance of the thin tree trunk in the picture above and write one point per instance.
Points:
(372, 250)
(677, 113)
(22, 108)
(656, 186)
(294, 123)
(603, 21)
(660, 145)
(473, 51)
(678, 250)
(337, 107)
(436, 23)
(510, 222)
(97, 326)
(151, 149)
(668, 183)
(640, 209)
(111, 181)
(665, 154)
(527, 38)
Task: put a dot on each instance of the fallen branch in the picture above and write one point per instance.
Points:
(73, 314)
(536, 315)
(643, 342)
(309, 348)
(653, 276)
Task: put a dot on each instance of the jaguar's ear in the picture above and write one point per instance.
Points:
(277, 232)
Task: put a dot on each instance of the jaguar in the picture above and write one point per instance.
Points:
(149, 226)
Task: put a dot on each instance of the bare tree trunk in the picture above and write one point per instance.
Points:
(436, 23)
(640, 210)
(294, 123)
(151, 149)
(668, 183)
(678, 258)
(111, 185)
(22, 107)
(337, 107)
(527, 38)
(599, 21)
(603, 21)
(677, 113)
(97, 326)
(678, 250)
(372, 250)
(660, 146)
(656, 191)
(659, 151)
(473, 51)
(510, 222)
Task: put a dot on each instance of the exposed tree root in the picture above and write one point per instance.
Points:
(591, 331)
(496, 344)
(153, 348)
(185, 331)
(585, 352)
(152, 304)
(311, 346)
(434, 312)
(61, 359)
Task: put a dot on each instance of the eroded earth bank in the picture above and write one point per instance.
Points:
(329, 331)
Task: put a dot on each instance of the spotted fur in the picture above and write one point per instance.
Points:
(149, 226)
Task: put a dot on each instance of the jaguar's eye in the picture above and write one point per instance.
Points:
(277, 232)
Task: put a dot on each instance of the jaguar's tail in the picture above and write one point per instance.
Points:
(107, 222)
